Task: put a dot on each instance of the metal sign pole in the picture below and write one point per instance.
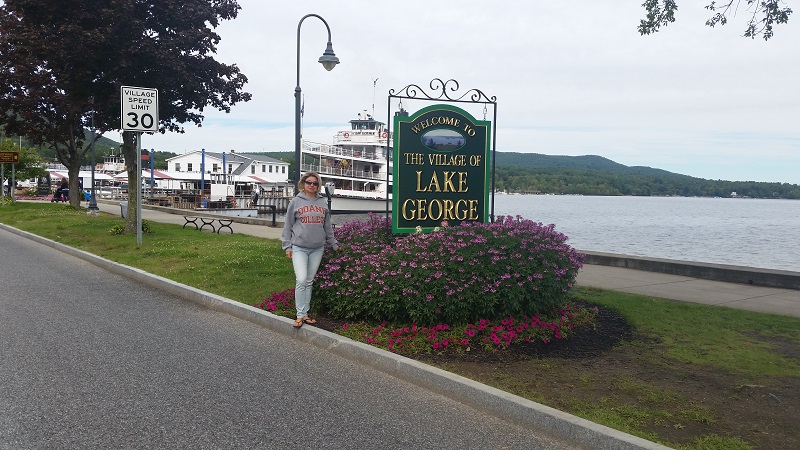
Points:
(12, 187)
(138, 188)
(93, 199)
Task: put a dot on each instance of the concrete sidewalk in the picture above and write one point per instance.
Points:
(675, 287)
(654, 284)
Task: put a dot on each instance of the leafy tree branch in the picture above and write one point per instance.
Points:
(764, 14)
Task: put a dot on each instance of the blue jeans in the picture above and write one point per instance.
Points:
(306, 262)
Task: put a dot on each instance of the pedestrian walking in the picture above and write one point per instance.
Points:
(305, 232)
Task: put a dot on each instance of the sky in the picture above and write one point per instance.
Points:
(570, 78)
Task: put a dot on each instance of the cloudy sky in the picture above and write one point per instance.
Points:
(570, 78)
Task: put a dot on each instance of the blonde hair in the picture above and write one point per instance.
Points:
(301, 185)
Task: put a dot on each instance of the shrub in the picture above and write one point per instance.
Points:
(118, 229)
(456, 275)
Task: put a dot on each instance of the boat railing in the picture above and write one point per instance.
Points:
(326, 149)
(327, 170)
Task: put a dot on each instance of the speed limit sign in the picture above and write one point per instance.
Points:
(139, 109)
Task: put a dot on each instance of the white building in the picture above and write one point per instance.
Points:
(241, 167)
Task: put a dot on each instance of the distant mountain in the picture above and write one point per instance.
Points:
(595, 175)
(537, 160)
(587, 162)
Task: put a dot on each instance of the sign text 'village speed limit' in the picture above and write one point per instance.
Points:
(139, 109)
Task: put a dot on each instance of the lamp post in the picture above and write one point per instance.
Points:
(92, 200)
(328, 61)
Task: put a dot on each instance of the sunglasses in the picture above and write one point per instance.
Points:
(312, 183)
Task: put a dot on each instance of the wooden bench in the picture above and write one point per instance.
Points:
(208, 221)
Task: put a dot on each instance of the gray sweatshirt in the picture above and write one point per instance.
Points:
(308, 223)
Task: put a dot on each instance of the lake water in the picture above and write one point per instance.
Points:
(742, 232)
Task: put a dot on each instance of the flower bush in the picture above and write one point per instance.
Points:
(281, 303)
(490, 335)
(486, 286)
(485, 334)
(457, 275)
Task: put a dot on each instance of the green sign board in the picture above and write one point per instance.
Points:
(441, 169)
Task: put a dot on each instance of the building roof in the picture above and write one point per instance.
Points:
(244, 158)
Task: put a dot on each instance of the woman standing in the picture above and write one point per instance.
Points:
(305, 232)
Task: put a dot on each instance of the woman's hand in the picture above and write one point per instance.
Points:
(289, 254)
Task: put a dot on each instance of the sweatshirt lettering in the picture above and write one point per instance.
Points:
(312, 214)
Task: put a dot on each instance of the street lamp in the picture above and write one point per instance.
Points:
(328, 61)
(92, 199)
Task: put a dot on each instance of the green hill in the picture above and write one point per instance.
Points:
(586, 162)
(596, 175)
(537, 160)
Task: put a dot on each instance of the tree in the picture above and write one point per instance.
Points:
(62, 65)
(29, 165)
(763, 15)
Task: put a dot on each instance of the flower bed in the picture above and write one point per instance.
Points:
(458, 288)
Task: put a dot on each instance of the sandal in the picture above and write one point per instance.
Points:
(298, 323)
(309, 320)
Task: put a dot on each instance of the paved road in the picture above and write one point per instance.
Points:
(90, 359)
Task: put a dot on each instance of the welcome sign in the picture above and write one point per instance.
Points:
(441, 169)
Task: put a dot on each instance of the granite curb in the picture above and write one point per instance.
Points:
(501, 404)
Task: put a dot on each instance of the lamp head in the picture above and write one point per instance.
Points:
(329, 59)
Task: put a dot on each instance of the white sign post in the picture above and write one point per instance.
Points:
(139, 113)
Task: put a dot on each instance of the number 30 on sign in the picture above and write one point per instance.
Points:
(139, 109)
